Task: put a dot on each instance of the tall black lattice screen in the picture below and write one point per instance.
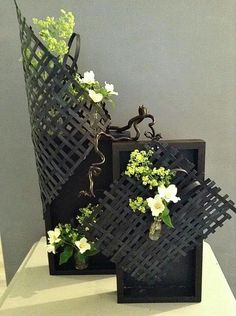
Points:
(63, 128)
(122, 235)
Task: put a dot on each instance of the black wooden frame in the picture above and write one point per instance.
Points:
(62, 133)
(132, 295)
(63, 210)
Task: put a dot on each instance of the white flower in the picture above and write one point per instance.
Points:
(156, 205)
(53, 235)
(89, 77)
(169, 193)
(96, 97)
(83, 245)
(110, 88)
(51, 248)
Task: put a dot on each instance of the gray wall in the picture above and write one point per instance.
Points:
(176, 57)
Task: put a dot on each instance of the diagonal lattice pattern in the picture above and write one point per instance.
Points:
(123, 235)
(63, 128)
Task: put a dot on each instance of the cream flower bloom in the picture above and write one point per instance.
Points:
(96, 97)
(89, 77)
(110, 88)
(53, 235)
(51, 248)
(169, 193)
(156, 205)
(83, 245)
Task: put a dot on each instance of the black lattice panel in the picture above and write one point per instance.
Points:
(123, 235)
(63, 128)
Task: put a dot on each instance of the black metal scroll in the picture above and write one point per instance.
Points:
(95, 169)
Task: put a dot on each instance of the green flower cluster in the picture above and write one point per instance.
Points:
(84, 212)
(56, 32)
(138, 204)
(139, 164)
(140, 167)
(68, 234)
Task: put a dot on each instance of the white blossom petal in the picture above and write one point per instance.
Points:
(150, 201)
(169, 193)
(88, 78)
(172, 189)
(57, 232)
(161, 191)
(96, 97)
(175, 199)
(83, 245)
(51, 248)
(156, 205)
(53, 235)
(110, 88)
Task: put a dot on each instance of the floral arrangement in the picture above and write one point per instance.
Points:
(158, 181)
(55, 33)
(93, 89)
(71, 243)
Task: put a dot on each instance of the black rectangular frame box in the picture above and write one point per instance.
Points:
(65, 206)
(183, 283)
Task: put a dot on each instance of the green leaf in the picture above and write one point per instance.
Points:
(65, 255)
(165, 212)
(167, 220)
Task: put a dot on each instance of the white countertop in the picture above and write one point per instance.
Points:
(34, 292)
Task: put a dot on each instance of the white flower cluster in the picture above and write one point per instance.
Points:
(157, 204)
(96, 92)
(53, 240)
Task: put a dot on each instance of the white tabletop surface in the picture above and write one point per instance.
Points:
(34, 292)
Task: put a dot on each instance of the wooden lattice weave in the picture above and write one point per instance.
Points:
(63, 128)
(123, 235)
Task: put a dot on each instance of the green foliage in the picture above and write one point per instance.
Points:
(68, 243)
(68, 235)
(141, 205)
(66, 254)
(138, 204)
(96, 86)
(84, 212)
(165, 216)
(70, 239)
(72, 89)
(93, 85)
(140, 167)
(55, 33)
(93, 251)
